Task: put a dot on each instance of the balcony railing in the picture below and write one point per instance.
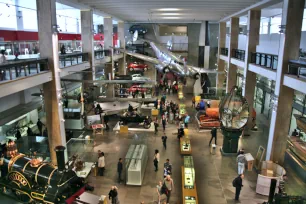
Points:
(73, 59)
(224, 51)
(238, 54)
(14, 69)
(100, 54)
(265, 60)
(298, 68)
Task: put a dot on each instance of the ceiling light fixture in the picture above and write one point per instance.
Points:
(171, 17)
(169, 9)
(170, 14)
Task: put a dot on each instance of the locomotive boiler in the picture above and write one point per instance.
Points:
(31, 181)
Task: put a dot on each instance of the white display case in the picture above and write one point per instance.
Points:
(136, 164)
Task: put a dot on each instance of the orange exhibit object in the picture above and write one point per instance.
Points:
(213, 112)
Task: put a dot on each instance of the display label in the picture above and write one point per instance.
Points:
(18, 178)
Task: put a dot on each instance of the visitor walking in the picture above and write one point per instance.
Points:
(40, 126)
(237, 183)
(156, 125)
(159, 190)
(119, 170)
(164, 140)
(213, 135)
(193, 102)
(156, 159)
(101, 164)
(113, 195)
(241, 163)
(164, 122)
(169, 187)
(186, 121)
(167, 168)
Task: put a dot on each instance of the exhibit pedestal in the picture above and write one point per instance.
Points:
(230, 142)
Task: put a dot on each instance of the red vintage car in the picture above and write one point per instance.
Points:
(137, 88)
(136, 66)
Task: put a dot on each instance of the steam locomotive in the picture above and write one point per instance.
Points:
(40, 182)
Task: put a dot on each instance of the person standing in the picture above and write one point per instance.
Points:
(156, 159)
(186, 121)
(101, 164)
(113, 195)
(241, 163)
(213, 135)
(193, 102)
(164, 122)
(2, 61)
(40, 126)
(237, 183)
(170, 187)
(164, 140)
(119, 169)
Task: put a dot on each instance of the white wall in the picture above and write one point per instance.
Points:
(18, 98)
(241, 42)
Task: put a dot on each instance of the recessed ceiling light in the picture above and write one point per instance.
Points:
(169, 9)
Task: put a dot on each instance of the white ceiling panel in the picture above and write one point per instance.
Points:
(169, 10)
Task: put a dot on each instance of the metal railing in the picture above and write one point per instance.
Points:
(224, 51)
(238, 54)
(265, 60)
(73, 59)
(100, 54)
(14, 69)
(297, 67)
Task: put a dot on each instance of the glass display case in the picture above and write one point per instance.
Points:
(190, 200)
(189, 172)
(135, 163)
(185, 145)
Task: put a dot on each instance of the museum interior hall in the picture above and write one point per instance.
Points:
(152, 101)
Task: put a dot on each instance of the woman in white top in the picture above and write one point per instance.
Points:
(156, 159)
(101, 164)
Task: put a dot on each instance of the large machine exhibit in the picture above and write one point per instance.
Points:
(234, 114)
(29, 180)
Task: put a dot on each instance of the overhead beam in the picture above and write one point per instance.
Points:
(257, 6)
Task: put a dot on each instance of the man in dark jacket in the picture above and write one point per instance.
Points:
(238, 185)
(213, 135)
(119, 170)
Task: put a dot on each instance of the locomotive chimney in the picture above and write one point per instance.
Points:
(60, 156)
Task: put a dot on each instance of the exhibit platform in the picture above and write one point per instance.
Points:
(134, 129)
(112, 108)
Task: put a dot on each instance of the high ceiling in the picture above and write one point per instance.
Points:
(169, 10)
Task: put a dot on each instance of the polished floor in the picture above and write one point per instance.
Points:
(214, 173)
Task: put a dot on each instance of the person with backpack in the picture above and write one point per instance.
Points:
(237, 183)
(241, 163)
(113, 195)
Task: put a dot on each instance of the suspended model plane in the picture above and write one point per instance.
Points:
(168, 61)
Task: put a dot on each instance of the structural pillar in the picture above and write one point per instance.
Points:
(204, 48)
(87, 30)
(249, 80)
(108, 43)
(48, 45)
(121, 36)
(233, 44)
(221, 63)
(292, 18)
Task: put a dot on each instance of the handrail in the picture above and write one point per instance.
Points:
(100, 54)
(73, 58)
(224, 51)
(238, 54)
(21, 68)
(297, 67)
(263, 59)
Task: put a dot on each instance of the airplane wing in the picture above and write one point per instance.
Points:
(143, 57)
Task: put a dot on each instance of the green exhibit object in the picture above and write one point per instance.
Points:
(234, 114)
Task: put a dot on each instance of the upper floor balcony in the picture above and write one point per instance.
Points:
(296, 75)
(18, 75)
(264, 64)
